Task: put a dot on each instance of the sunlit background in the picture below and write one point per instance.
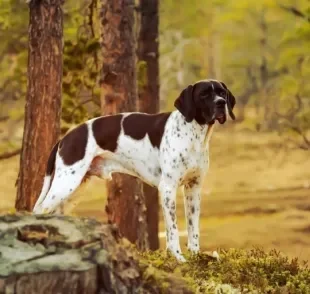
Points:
(258, 189)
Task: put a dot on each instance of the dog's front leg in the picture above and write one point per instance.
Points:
(168, 198)
(192, 212)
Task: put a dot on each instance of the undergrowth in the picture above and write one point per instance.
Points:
(237, 271)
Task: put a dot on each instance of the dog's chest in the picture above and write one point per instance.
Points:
(184, 148)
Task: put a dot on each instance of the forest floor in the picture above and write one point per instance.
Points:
(257, 193)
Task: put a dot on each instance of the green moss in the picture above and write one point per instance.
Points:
(162, 281)
(142, 74)
(80, 73)
(253, 271)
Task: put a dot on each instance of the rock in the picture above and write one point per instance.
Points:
(62, 254)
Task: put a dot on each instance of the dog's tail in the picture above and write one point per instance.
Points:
(48, 174)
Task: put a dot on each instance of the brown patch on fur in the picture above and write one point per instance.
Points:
(73, 146)
(94, 169)
(137, 125)
(96, 166)
(106, 130)
(51, 160)
(192, 182)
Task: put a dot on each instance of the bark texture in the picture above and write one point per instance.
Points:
(61, 254)
(148, 86)
(125, 205)
(43, 101)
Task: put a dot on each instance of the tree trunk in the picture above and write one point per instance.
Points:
(148, 86)
(60, 254)
(126, 205)
(43, 104)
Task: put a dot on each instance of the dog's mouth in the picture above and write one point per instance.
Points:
(221, 118)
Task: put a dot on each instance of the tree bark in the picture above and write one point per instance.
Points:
(43, 104)
(125, 204)
(7, 155)
(60, 254)
(148, 86)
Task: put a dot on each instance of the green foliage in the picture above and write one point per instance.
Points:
(254, 46)
(259, 48)
(79, 76)
(80, 68)
(13, 54)
(253, 271)
(80, 63)
(141, 73)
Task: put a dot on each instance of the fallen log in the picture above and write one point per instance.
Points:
(62, 254)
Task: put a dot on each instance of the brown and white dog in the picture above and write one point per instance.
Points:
(165, 150)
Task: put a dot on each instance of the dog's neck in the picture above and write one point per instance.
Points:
(204, 131)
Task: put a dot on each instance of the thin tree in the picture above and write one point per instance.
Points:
(43, 101)
(125, 203)
(148, 86)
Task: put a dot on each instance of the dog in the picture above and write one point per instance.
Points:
(165, 150)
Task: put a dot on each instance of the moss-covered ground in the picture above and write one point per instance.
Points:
(237, 271)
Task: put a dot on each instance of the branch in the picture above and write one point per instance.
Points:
(7, 155)
(80, 104)
(275, 74)
(289, 117)
(294, 11)
(302, 134)
(301, 146)
(305, 145)
(92, 7)
(4, 118)
(252, 89)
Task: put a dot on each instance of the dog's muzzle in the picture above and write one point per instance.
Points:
(220, 110)
(221, 118)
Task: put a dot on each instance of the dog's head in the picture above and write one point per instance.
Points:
(206, 101)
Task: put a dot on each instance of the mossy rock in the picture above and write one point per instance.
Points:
(61, 254)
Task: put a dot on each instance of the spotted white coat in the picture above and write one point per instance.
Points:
(172, 151)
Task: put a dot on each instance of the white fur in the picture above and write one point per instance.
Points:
(182, 160)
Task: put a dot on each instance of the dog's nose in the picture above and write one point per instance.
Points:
(220, 102)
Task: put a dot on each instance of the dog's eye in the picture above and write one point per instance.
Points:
(204, 95)
(222, 94)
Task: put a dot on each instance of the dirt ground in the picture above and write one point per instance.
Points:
(257, 193)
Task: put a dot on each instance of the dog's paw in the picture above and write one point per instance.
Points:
(213, 254)
(178, 256)
(193, 249)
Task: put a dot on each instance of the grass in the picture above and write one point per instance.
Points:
(256, 193)
(245, 271)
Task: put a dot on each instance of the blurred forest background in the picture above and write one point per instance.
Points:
(258, 189)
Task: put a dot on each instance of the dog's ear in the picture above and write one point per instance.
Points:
(231, 101)
(185, 103)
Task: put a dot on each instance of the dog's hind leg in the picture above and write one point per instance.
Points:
(73, 160)
(48, 175)
(66, 180)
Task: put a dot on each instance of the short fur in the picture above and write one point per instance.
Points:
(165, 150)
